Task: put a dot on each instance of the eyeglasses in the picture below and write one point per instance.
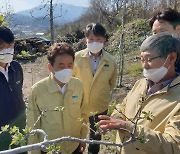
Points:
(149, 60)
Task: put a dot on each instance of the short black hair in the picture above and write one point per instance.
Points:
(57, 49)
(6, 35)
(96, 28)
(167, 14)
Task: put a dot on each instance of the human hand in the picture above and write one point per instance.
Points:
(82, 147)
(107, 122)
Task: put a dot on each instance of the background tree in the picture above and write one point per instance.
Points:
(49, 5)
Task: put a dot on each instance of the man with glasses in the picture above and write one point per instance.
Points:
(159, 95)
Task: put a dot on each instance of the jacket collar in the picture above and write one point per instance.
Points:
(172, 84)
(53, 87)
(85, 53)
(10, 67)
(175, 82)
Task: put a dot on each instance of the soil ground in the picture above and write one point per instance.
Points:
(33, 71)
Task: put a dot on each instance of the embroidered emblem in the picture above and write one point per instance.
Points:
(106, 65)
(18, 82)
(74, 97)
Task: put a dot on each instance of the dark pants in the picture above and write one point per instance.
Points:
(75, 152)
(94, 148)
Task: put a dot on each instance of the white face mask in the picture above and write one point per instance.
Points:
(157, 74)
(63, 75)
(6, 55)
(95, 47)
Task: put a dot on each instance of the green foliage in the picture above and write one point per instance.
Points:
(142, 139)
(134, 34)
(18, 139)
(111, 108)
(14, 130)
(24, 55)
(27, 130)
(4, 129)
(2, 20)
(141, 100)
(93, 113)
(148, 115)
(142, 24)
(53, 149)
(82, 120)
(135, 69)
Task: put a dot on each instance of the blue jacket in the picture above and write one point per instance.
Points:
(12, 106)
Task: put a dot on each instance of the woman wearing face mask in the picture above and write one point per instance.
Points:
(59, 89)
(12, 106)
(98, 71)
(161, 92)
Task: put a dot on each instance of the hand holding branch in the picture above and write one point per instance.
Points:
(107, 122)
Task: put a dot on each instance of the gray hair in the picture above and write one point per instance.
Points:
(163, 44)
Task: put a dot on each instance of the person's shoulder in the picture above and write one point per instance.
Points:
(140, 82)
(15, 64)
(41, 83)
(109, 56)
(76, 80)
(175, 82)
(80, 53)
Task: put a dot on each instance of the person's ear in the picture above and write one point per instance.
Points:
(172, 58)
(86, 40)
(178, 29)
(104, 40)
(50, 68)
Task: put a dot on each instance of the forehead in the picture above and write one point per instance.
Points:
(4, 45)
(162, 24)
(63, 59)
(149, 53)
(91, 35)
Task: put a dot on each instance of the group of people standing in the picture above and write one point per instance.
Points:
(81, 84)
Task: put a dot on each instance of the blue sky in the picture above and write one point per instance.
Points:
(20, 5)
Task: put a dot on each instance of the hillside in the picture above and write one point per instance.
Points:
(37, 18)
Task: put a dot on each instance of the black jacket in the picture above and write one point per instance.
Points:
(12, 106)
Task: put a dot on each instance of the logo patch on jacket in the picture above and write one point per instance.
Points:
(106, 65)
(18, 82)
(74, 97)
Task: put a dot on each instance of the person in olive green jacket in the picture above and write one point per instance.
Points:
(160, 90)
(60, 89)
(97, 70)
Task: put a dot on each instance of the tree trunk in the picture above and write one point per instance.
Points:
(121, 50)
(175, 4)
(168, 3)
(51, 22)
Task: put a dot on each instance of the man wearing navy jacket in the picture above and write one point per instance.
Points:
(12, 106)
